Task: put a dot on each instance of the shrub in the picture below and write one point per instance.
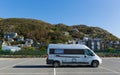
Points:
(0, 47)
(28, 48)
(110, 49)
(42, 48)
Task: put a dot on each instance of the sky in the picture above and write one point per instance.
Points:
(97, 13)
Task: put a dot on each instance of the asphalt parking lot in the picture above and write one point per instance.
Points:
(37, 66)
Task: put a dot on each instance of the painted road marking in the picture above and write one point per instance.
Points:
(109, 70)
(57, 72)
(23, 73)
(54, 71)
(85, 72)
(7, 59)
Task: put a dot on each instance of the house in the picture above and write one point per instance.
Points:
(28, 42)
(86, 38)
(11, 48)
(36, 44)
(11, 35)
(103, 45)
(66, 33)
(20, 38)
(81, 42)
(116, 44)
(76, 30)
(73, 41)
(10, 39)
(20, 45)
(4, 43)
(94, 44)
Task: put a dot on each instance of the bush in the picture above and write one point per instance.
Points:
(108, 53)
(0, 47)
(28, 48)
(110, 49)
(6, 52)
(24, 52)
(42, 48)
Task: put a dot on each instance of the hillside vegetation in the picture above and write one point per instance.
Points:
(44, 32)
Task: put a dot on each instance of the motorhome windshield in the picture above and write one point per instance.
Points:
(89, 53)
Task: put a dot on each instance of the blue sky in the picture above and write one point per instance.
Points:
(100, 13)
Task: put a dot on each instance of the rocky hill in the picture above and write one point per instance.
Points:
(45, 32)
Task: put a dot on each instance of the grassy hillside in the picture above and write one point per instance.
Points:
(47, 33)
(95, 32)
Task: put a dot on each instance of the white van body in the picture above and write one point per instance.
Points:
(71, 54)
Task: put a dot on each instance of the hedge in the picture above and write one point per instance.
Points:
(23, 53)
(42, 53)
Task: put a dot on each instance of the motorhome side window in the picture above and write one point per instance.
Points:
(73, 51)
(66, 51)
(56, 51)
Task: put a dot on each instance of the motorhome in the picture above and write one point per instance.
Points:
(71, 54)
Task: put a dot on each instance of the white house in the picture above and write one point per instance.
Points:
(4, 43)
(28, 42)
(11, 48)
(66, 33)
(10, 35)
(20, 38)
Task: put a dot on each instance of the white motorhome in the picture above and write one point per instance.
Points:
(71, 54)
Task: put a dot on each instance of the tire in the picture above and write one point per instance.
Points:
(56, 64)
(95, 64)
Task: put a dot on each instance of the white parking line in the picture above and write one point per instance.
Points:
(57, 72)
(7, 59)
(24, 73)
(15, 64)
(110, 70)
(84, 72)
(54, 71)
(110, 58)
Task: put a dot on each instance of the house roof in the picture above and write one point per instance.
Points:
(11, 35)
(11, 48)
